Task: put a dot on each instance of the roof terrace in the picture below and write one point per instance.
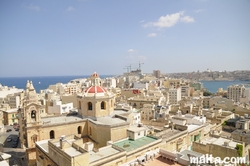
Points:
(130, 145)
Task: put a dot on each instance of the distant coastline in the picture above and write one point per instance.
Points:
(224, 80)
(43, 82)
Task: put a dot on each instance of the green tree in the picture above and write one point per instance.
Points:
(207, 93)
(239, 149)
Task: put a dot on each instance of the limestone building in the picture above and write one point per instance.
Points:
(10, 116)
(215, 146)
(10, 96)
(172, 83)
(138, 101)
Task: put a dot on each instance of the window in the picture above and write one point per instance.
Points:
(52, 134)
(89, 106)
(79, 129)
(103, 105)
(33, 114)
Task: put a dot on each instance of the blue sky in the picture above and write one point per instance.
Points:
(53, 38)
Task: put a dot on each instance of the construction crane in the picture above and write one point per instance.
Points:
(140, 65)
(128, 68)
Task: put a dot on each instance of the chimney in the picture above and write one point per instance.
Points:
(62, 141)
(89, 146)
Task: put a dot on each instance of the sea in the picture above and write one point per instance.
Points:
(213, 86)
(40, 82)
(43, 82)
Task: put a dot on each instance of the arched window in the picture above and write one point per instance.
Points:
(103, 105)
(89, 106)
(79, 129)
(79, 105)
(33, 114)
(52, 134)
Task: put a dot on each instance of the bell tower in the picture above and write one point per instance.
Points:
(32, 105)
(29, 117)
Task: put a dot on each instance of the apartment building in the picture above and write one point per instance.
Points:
(59, 108)
(11, 96)
(216, 145)
(174, 95)
(138, 101)
(172, 83)
(72, 88)
(10, 116)
(109, 82)
(235, 92)
(157, 73)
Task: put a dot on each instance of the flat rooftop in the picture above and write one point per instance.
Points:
(170, 133)
(11, 110)
(107, 120)
(193, 127)
(70, 151)
(5, 92)
(130, 145)
(103, 153)
(59, 119)
(219, 141)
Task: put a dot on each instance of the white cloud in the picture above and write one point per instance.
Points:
(132, 50)
(70, 8)
(187, 19)
(142, 21)
(170, 20)
(152, 35)
(33, 7)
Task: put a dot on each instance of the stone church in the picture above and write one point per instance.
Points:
(97, 120)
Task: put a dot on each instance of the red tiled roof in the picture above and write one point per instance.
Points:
(95, 89)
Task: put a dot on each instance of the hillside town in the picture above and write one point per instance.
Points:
(134, 119)
(210, 75)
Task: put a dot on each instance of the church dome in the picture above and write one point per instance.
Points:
(95, 89)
